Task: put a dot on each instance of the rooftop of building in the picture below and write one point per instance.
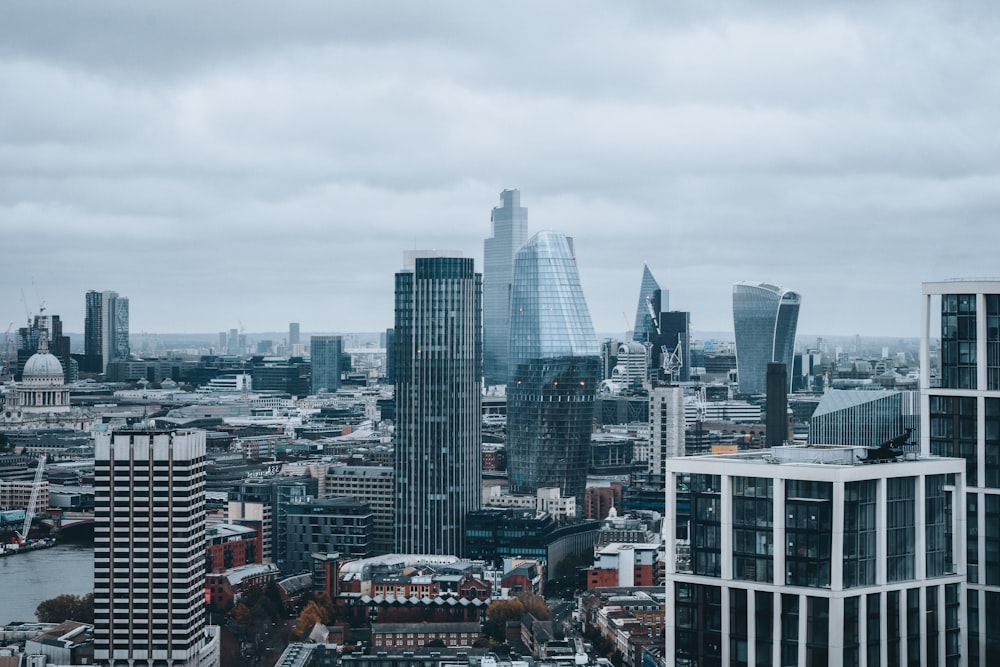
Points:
(844, 456)
(223, 530)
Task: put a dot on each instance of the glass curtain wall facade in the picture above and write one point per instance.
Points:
(510, 230)
(554, 370)
(764, 319)
(438, 351)
(651, 298)
(960, 416)
(324, 358)
(105, 330)
(864, 418)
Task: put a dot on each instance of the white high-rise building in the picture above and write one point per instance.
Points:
(149, 550)
(960, 416)
(667, 425)
(818, 555)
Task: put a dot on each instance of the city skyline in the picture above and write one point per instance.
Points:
(273, 169)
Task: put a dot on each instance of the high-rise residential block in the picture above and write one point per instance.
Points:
(666, 427)
(105, 330)
(765, 317)
(324, 356)
(554, 371)
(510, 230)
(149, 550)
(438, 352)
(960, 416)
(812, 556)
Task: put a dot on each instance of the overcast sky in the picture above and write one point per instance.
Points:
(263, 163)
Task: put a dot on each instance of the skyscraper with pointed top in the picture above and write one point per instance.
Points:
(510, 230)
(652, 300)
(554, 368)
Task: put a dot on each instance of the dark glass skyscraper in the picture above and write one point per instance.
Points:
(510, 229)
(438, 360)
(105, 330)
(324, 357)
(764, 319)
(652, 300)
(554, 370)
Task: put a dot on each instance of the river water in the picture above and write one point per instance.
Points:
(27, 579)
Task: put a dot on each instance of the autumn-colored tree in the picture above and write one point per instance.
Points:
(241, 614)
(310, 616)
(325, 604)
(67, 608)
(499, 612)
(534, 605)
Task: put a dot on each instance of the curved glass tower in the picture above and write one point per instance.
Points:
(554, 366)
(764, 318)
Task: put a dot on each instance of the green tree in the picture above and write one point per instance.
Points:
(66, 608)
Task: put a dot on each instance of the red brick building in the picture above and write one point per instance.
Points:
(230, 546)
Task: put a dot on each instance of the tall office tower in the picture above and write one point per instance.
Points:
(438, 421)
(652, 300)
(809, 556)
(105, 330)
(293, 334)
(27, 344)
(960, 416)
(510, 230)
(324, 355)
(554, 369)
(776, 416)
(149, 550)
(764, 319)
(667, 427)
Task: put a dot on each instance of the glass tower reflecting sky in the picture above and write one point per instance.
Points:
(554, 366)
(510, 229)
(650, 294)
(438, 352)
(764, 319)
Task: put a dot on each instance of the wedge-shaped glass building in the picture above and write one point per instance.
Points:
(764, 319)
(554, 366)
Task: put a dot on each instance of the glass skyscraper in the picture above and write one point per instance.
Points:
(105, 330)
(510, 229)
(554, 369)
(764, 319)
(324, 357)
(438, 361)
(651, 297)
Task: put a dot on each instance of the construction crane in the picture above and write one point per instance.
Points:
(5, 370)
(29, 512)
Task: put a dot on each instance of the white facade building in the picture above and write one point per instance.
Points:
(807, 555)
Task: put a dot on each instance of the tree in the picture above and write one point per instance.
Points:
(66, 608)
(501, 611)
(310, 616)
(241, 614)
(534, 605)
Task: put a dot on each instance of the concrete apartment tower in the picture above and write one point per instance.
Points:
(765, 317)
(438, 363)
(510, 231)
(149, 550)
(960, 416)
(554, 368)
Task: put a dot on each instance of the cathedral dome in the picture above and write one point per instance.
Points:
(42, 366)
